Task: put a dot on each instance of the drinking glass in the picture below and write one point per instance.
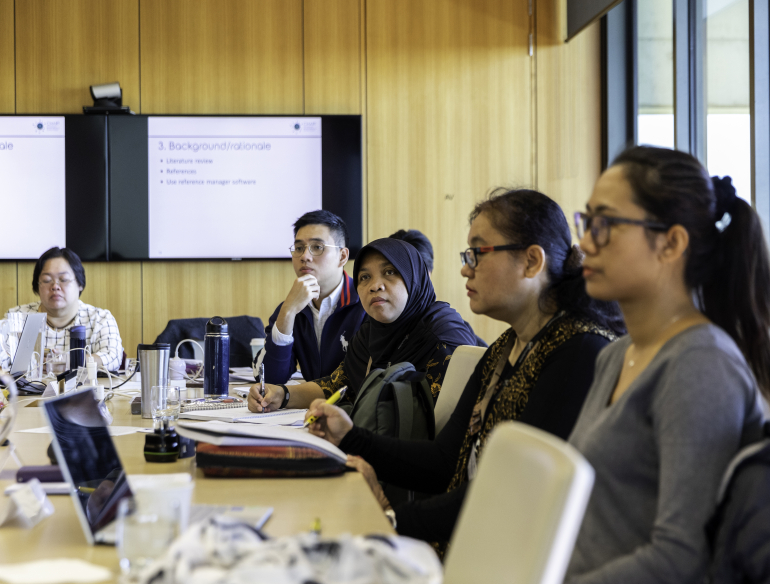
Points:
(144, 532)
(164, 405)
(15, 327)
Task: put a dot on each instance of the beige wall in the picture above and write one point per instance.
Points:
(452, 105)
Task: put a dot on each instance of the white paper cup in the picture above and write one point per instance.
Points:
(164, 492)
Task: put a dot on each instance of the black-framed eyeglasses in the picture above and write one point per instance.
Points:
(316, 249)
(470, 255)
(599, 226)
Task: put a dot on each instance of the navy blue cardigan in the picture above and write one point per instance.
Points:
(281, 362)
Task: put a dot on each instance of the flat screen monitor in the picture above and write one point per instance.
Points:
(228, 187)
(32, 167)
(54, 186)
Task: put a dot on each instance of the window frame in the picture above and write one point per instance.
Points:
(620, 88)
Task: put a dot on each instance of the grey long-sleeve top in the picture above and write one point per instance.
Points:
(659, 453)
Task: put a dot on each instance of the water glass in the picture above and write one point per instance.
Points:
(164, 405)
(144, 533)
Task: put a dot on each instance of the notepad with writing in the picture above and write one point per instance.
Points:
(241, 450)
(290, 417)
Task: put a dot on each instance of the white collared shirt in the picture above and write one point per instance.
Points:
(320, 316)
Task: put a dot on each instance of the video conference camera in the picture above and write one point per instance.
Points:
(108, 99)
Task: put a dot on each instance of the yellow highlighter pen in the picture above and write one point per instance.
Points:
(331, 401)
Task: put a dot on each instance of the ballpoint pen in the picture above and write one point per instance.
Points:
(262, 379)
(331, 401)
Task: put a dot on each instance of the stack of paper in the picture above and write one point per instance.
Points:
(225, 434)
(279, 418)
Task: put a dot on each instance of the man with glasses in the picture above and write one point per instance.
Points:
(321, 313)
(59, 279)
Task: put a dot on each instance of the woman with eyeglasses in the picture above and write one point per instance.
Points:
(59, 279)
(674, 400)
(405, 324)
(521, 269)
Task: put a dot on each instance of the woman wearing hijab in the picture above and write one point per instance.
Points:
(405, 324)
(521, 269)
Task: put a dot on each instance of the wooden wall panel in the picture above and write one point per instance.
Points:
(24, 282)
(8, 297)
(197, 289)
(448, 116)
(64, 46)
(7, 59)
(115, 286)
(332, 49)
(569, 148)
(221, 56)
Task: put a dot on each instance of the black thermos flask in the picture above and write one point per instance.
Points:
(77, 341)
(216, 359)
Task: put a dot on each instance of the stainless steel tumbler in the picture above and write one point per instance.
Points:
(153, 363)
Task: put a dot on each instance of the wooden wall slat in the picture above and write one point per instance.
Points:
(332, 51)
(448, 117)
(7, 59)
(205, 289)
(8, 298)
(116, 286)
(65, 46)
(569, 147)
(221, 56)
(24, 282)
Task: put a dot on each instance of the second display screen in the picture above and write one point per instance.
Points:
(227, 181)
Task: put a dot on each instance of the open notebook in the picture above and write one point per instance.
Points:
(279, 418)
(225, 434)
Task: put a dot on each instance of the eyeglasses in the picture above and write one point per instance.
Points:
(63, 281)
(599, 226)
(470, 255)
(316, 249)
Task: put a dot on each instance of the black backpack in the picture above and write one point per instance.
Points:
(396, 402)
(739, 531)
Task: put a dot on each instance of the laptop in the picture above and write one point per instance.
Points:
(90, 464)
(33, 324)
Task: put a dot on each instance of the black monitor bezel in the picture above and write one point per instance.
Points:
(341, 178)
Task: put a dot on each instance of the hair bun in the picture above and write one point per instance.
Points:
(574, 260)
(725, 195)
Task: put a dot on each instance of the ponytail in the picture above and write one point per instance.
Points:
(737, 296)
(727, 264)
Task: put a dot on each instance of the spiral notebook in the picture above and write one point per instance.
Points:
(243, 415)
(213, 404)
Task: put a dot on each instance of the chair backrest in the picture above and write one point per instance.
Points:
(522, 511)
(241, 329)
(461, 366)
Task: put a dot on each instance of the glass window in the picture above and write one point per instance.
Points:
(728, 128)
(655, 66)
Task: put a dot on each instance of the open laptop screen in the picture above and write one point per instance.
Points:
(87, 457)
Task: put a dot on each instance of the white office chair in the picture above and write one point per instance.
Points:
(522, 512)
(461, 366)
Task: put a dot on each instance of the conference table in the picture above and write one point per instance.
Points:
(344, 504)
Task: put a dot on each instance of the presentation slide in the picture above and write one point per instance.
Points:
(33, 193)
(230, 187)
